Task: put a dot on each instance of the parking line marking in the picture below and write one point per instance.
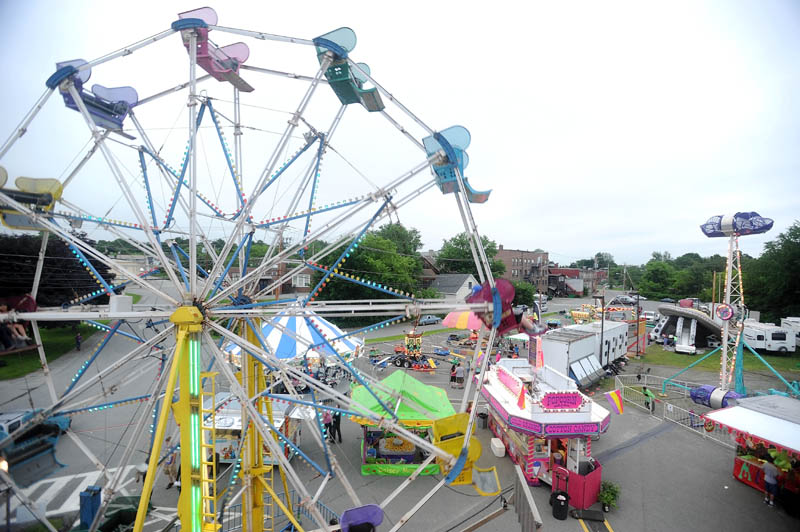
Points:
(608, 526)
(583, 525)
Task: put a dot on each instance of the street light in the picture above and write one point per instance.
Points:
(637, 323)
(602, 298)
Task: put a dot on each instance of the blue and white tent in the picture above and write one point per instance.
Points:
(292, 336)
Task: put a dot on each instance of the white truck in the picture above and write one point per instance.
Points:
(615, 338)
(769, 337)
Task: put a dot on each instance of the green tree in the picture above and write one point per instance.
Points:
(523, 293)
(408, 241)
(456, 256)
(771, 282)
(658, 280)
(375, 260)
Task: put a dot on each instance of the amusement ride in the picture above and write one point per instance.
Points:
(190, 182)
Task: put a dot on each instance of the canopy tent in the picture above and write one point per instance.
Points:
(289, 336)
(770, 419)
(426, 399)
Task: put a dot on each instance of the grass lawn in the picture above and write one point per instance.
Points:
(398, 337)
(655, 354)
(56, 342)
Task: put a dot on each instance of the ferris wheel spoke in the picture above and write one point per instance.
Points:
(115, 171)
(273, 161)
(22, 128)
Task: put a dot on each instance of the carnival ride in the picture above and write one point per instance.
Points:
(202, 307)
(732, 312)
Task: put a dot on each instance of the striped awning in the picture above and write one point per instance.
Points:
(291, 336)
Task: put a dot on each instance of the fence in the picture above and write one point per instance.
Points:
(232, 518)
(665, 407)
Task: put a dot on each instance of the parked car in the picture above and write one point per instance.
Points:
(429, 320)
(667, 300)
(651, 317)
(622, 300)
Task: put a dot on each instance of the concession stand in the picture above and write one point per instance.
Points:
(761, 427)
(417, 406)
(546, 425)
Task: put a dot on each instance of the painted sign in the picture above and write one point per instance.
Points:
(494, 402)
(571, 428)
(525, 425)
(604, 423)
(562, 400)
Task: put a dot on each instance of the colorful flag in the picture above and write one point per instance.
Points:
(521, 400)
(615, 398)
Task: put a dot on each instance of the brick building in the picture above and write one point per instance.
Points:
(522, 265)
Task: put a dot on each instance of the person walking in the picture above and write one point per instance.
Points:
(170, 462)
(459, 376)
(78, 340)
(649, 400)
(327, 420)
(770, 481)
(336, 426)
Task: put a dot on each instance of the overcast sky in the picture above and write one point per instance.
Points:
(599, 126)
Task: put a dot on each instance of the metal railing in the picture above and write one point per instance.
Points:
(667, 410)
(232, 517)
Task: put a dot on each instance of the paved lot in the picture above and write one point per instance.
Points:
(670, 478)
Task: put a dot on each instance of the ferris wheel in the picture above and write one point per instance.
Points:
(191, 176)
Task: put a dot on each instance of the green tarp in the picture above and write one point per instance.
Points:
(426, 398)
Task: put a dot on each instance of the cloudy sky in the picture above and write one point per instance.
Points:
(599, 126)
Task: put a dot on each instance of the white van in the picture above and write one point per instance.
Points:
(769, 337)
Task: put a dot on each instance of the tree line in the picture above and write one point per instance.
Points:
(771, 284)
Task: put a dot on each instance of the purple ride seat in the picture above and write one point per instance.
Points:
(221, 62)
(108, 106)
(362, 519)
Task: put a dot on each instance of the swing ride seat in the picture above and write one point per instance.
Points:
(39, 194)
(361, 518)
(347, 84)
(222, 63)
(457, 139)
(108, 106)
(448, 435)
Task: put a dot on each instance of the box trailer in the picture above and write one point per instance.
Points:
(572, 352)
(615, 338)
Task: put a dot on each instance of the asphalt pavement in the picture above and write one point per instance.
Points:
(670, 478)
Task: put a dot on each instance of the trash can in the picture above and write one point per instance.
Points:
(560, 505)
(484, 417)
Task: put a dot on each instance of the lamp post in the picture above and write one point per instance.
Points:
(602, 298)
(637, 324)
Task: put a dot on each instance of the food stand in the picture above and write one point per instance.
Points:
(228, 427)
(762, 426)
(417, 405)
(545, 424)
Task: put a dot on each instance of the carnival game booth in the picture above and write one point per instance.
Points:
(286, 418)
(545, 424)
(417, 406)
(764, 426)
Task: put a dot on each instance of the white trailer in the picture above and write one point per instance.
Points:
(769, 337)
(572, 352)
(792, 324)
(615, 338)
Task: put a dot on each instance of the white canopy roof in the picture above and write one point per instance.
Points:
(770, 417)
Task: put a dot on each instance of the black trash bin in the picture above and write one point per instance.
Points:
(560, 501)
(484, 417)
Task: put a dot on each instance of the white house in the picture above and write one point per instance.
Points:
(454, 285)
